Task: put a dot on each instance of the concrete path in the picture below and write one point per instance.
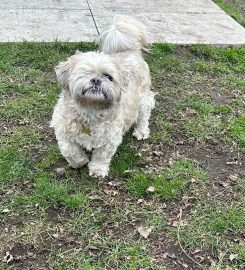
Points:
(173, 21)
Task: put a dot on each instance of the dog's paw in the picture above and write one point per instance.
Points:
(98, 170)
(141, 134)
(78, 164)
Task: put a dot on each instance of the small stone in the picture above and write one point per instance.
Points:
(150, 189)
(61, 171)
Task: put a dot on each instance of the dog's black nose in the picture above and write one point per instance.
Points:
(96, 81)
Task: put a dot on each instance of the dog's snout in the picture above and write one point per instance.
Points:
(96, 81)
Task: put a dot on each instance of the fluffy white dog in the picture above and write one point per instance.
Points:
(104, 94)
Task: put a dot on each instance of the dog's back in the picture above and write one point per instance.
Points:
(124, 34)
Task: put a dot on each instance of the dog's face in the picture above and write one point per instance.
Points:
(93, 79)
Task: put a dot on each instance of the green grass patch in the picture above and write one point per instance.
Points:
(31, 107)
(14, 167)
(208, 226)
(169, 183)
(218, 60)
(121, 256)
(206, 121)
(50, 158)
(235, 83)
(160, 128)
(204, 128)
(238, 130)
(162, 59)
(22, 137)
(126, 157)
(204, 105)
(37, 55)
(231, 55)
(239, 249)
(49, 192)
(231, 10)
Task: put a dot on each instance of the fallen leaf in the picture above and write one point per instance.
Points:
(61, 171)
(172, 256)
(232, 162)
(113, 184)
(128, 171)
(140, 201)
(212, 262)
(201, 259)
(165, 255)
(8, 257)
(23, 122)
(171, 161)
(224, 184)
(177, 223)
(195, 251)
(150, 189)
(144, 231)
(233, 177)
(190, 112)
(232, 257)
(10, 191)
(110, 192)
(157, 153)
(193, 180)
(61, 229)
(183, 264)
(55, 235)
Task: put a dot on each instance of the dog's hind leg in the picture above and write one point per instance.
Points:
(147, 103)
(73, 153)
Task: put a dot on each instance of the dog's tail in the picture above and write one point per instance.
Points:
(124, 34)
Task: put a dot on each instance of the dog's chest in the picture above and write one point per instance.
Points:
(93, 134)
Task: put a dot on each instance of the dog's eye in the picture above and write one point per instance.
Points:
(108, 76)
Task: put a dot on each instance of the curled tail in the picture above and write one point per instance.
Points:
(124, 34)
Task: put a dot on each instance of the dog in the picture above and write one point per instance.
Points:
(104, 93)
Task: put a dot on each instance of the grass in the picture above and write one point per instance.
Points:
(238, 130)
(232, 8)
(212, 227)
(13, 167)
(71, 221)
(215, 222)
(130, 257)
(168, 183)
(207, 121)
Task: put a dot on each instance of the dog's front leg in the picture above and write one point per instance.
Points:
(73, 153)
(101, 157)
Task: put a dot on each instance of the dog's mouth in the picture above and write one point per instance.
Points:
(95, 92)
(95, 96)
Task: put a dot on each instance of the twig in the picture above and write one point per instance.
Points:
(178, 236)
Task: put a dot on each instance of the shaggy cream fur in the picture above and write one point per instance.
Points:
(104, 94)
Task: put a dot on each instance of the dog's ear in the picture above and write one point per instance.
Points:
(62, 71)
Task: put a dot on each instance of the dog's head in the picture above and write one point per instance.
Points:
(93, 79)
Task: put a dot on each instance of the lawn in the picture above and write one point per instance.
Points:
(235, 8)
(174, 201)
